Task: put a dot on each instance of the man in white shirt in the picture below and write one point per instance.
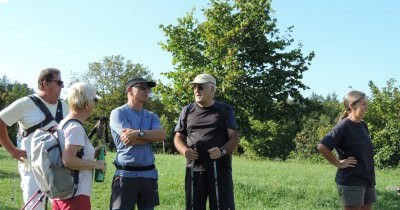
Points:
(27, 114)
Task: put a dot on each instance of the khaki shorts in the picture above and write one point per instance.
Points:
(356, 195)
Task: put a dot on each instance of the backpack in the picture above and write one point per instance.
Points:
(53, 179)
(39, 103)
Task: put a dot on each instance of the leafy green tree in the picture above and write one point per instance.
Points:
(9, 92)
(383, 120)
(109, 76)
(258, 70)
(315, 126)
(271, 139)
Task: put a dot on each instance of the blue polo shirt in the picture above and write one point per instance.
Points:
(138, 155)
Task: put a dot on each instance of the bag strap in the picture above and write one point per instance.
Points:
(187, 113)
(80, 152)
(48, 116)
(79, 155)
(59, 113)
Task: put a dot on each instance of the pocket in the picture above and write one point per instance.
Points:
(63, 183)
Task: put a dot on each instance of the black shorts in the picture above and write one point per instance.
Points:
(204, 186)
(126, 192)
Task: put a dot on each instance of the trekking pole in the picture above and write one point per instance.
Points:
(94, 129)
(192, 185)
(216, 183)
(31, 199)
(14, 190)
(39, 200)
(192, 180)
(46, 202)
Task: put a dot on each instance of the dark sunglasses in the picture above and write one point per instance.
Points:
(199, 87)
(142, 87)
(59, 82)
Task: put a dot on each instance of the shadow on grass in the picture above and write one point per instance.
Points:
(387, 200)
(8, 174)
(8, 207)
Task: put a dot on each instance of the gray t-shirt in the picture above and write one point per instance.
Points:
(206, 127)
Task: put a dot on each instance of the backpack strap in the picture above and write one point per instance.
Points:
(79, 155)
(59, 112)
(80, 152)
(187, 113)
(46, 112)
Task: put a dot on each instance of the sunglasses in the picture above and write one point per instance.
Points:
(142, 88)
(59, 82)
(199, 87)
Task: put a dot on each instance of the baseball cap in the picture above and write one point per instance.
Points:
(203, 78)
(137, 81)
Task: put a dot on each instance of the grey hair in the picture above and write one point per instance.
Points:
(46, 75)
(210, 84)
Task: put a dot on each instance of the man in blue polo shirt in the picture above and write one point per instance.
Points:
(134, 129)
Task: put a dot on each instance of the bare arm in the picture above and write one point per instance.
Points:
(7, 144)
(348, 162)
(71, 161)
(181, 146)
(230, 146)
(153, 135)
(233, 141)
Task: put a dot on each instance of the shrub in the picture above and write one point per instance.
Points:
(308, 138)
(270, 139)
(383, 120)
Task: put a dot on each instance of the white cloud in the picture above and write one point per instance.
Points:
(4, 1)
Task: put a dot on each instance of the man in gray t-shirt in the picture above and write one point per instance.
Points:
(206, 134)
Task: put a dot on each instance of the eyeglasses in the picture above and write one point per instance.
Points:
(59, 82)
(199, 87)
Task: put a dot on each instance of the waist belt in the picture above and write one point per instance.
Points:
(135, 168)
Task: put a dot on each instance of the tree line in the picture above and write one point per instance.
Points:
(259, 71)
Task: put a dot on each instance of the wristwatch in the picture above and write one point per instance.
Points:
(141, 133)
(223, 151)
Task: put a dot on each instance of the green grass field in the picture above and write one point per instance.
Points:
(258, 185)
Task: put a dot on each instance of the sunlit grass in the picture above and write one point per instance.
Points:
(259, 184)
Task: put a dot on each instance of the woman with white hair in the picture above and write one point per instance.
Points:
(81, 101)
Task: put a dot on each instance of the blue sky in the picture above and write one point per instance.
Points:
(355, 41)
